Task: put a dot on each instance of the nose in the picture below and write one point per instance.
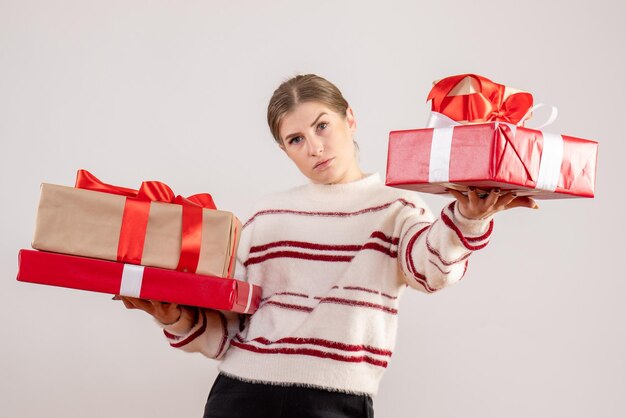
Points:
(316, 146)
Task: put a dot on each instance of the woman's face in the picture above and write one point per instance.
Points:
(319, 141)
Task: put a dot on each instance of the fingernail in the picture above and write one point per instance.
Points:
(116, 297)
(536, 206)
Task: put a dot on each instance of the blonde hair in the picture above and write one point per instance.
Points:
(299, 89)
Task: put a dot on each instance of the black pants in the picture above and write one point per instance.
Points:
(233, 398)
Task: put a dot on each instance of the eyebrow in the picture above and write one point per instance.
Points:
(314, 122)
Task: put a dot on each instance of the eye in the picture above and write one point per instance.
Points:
(322, 123)
(294, 140)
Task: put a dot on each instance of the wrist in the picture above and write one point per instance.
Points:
(169, 321)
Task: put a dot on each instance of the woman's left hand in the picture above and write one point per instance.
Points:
(474, 207)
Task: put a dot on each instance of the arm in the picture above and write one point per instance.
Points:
(207, 331)
(433, 253)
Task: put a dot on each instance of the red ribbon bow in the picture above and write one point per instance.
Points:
(135, 217)
(486, 105)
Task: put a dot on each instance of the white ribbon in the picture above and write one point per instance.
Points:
(439, 166)
(553, 114)
(551, 160)
(249, 298)
(439, 120)
(132, 277)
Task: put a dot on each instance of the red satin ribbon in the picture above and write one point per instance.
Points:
(487, 105)
(137, 210)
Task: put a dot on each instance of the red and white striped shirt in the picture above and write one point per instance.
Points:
(333, 262)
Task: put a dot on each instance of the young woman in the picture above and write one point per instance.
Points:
(333, 257)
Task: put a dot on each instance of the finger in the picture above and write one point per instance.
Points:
(505, 200)
(128, 304)
(492, 197)
(459, 196)
(522, 201)
(139, 303)
(473, 196)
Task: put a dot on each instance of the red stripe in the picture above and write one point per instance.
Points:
(193, 336)
(287, 306)
(295, 254)
(302, 295)
(444, 262)
(224, 334)
(318, 257)
(171, 336)
(439, 268)
(303, 244)
(323, 247)
(380, 235)
(310, 352)
(464, 240)
(321, 342)
(421, 279)
(340, 301)
(365, 304)
(369, 291)
(340, 214)
(378, 247)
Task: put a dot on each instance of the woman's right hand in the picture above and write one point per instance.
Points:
(164, 312)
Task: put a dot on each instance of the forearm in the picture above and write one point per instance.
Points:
(435, 255)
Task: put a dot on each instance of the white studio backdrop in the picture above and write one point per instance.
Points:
(177, 92)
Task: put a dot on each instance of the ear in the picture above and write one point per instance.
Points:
(351, 119)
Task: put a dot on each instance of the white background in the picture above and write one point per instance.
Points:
(177, 92)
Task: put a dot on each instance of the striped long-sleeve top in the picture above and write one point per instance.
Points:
(333, 262)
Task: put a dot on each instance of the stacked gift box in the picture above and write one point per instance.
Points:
(476, 137)
(146, 243)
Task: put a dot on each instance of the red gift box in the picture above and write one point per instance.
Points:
(488, 155)
(152, 283)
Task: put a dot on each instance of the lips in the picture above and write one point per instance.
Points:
(321, 163)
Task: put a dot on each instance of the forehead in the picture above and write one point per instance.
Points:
(302, 115)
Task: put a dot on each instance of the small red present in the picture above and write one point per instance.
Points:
(488, 155)
(133, 280)
(475, 137)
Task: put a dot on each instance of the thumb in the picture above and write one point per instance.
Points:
(522, 201)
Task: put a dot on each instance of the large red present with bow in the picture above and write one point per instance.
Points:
(475, 137)
(150, 226)
(115, 278)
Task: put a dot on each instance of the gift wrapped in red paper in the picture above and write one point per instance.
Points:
(476, 138)
(150, 226)
(137, 281)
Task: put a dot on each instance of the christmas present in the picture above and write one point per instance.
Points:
(150, 226)
(475, 137)
(133, 280)
(489, 155)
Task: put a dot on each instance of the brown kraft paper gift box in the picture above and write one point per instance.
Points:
(87, 223)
